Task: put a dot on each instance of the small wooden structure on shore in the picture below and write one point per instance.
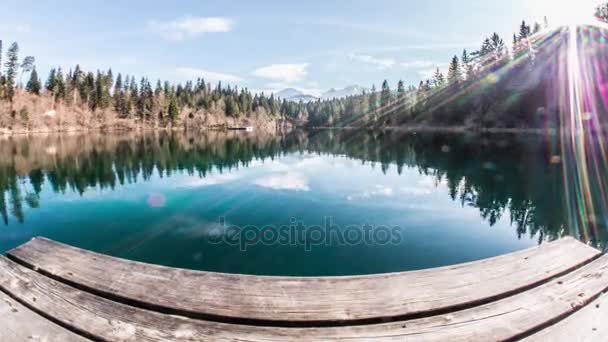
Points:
(246, 129)
(55, 292)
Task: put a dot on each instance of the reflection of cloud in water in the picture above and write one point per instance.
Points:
(415, 191)
(378, 191)
(291, 181)
(431, 182)
(210, 180)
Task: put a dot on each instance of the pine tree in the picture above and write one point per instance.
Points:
(119, 96)
(524, 31)
(438, 79)
(466, 64)
(50, 82)
(26, 66)
(400, 88)
(498, 47)
(173, 111)
(454, 72)
(385, 95)
(12, 56)
(601, 12)
(373, 99)
(59, 88)
(33, 85)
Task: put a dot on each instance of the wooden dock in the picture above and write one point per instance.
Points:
(54, 292)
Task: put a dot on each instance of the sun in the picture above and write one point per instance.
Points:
(565, 12)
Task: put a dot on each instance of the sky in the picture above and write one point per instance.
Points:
(268, 45)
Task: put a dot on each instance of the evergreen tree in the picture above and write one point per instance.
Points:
(400, 88)
(455, 72)
(466, 64)
(601, 12)
(12, 58)
(498, 47)
(27, 66)
(524, 31)
(59, 88)
(50, 82)
(33, 85)
(173, 111)
(373, 100)
(438, 79)
(385, 95)
(119, 96)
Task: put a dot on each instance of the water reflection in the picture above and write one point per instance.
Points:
(514, 177)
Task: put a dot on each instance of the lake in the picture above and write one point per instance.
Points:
(329, 202)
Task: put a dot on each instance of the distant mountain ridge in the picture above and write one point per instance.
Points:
(292, 94)
(345, 92)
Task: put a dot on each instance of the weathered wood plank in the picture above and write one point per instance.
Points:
(17, 323)
(293, 301)
(510, 318)
(587, 325)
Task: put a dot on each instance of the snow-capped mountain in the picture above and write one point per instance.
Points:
(340, 93)
(292, 94)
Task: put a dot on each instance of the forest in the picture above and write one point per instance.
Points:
(497, 86)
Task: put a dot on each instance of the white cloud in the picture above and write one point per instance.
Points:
(377, 28)
(419, 64)
(287, 73)
(286, 181)
(380, 63)
(209, 76)
(189, 27)
(21, 28)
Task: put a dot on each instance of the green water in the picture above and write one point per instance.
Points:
(179, 199)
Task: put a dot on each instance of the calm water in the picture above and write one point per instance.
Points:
(171, 198)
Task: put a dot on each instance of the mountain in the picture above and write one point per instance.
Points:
(291, 94)
(340, 93)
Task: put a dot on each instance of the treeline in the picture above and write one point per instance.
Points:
(462, 96)
(477, 90)
(387, 107)
(131, 98)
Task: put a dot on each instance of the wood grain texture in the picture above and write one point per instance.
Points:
(298, 301)
(587, 325)
(507, 319)
(17, 323)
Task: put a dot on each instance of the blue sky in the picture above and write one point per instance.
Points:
(267, 45)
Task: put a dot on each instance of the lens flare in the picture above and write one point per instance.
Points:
(585, 165)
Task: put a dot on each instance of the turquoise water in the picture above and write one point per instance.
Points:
(395, 202)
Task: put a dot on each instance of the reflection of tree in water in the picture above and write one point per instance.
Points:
(499, 175)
